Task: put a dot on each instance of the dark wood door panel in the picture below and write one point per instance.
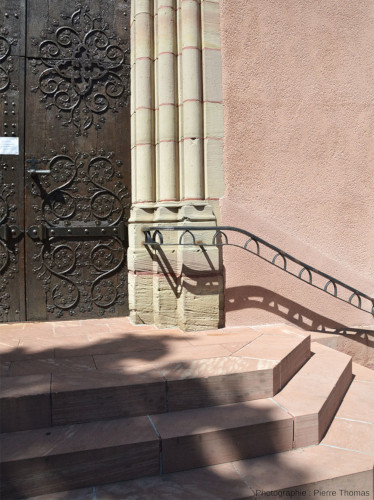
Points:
(12, 26)
(77, 128)
(58, 21)
(12, 293)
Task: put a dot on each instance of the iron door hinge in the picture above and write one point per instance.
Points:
(43, 232)
(9, 232)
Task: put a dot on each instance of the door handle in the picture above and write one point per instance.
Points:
(34, 171)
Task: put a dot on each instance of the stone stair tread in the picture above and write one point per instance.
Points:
(115, 450)
(45, 460)
(123, 386)
(210, 367)
(58, 440)
(52, 365)
(358, 403)
(316, 468)
(316, 379)
(214, 418)
(48, 460)
(213, 435)
(351, 435)
(353, 425)
(25, 385)
(314, 394)
(268, 347)
(23, 445)
(362, 373)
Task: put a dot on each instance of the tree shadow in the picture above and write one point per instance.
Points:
(148, 355)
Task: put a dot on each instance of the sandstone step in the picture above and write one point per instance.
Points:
(314, 394)
(65, 457)
(310, 398)
(175, 381)
(317, 472)
(340, 467)
(207, 436)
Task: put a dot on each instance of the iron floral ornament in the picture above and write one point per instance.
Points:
(81, 273)
(87, 70)
(6, 63)
(8, 250)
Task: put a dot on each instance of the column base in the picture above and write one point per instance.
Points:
(174, 286)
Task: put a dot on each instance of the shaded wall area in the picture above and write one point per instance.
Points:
(299, 154)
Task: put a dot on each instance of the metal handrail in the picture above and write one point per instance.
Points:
(154, 237)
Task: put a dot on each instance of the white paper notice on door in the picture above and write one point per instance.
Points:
(9, 145)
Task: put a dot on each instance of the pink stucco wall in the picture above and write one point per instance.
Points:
(298, 88)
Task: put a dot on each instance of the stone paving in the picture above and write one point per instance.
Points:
(114, 344)
(101, 347)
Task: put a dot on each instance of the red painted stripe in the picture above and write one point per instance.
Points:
(192, 199)
(139, 202)
(143, 144)
(167, 104)
(203, 101)
(166, 7)
(190, 138)
(188, 47)
(167, 53)
(196, 275)
(140, 13)
(144, 107)
(212, 102)
(190, 100)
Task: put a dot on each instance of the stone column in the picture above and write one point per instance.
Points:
(191, 100)
(172, 120)
(140, 263)
(143, 170)
(167, 159)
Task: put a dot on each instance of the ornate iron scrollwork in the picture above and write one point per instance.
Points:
(81, 272)
(8, 249)
(6, 63)
(87, 73)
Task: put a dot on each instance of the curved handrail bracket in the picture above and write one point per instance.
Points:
(282, 257)
(355, 294)
(186, 231)
(249, 240)
(326, 287)
(300, 275)
(217, 234)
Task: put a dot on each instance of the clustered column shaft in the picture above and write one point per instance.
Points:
(191, 96)
(167, 159)
(142, 74)
(164, 30)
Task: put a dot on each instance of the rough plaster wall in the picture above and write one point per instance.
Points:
(298, 89)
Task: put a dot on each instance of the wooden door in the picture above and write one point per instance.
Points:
(12, 63)
(77, 158)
